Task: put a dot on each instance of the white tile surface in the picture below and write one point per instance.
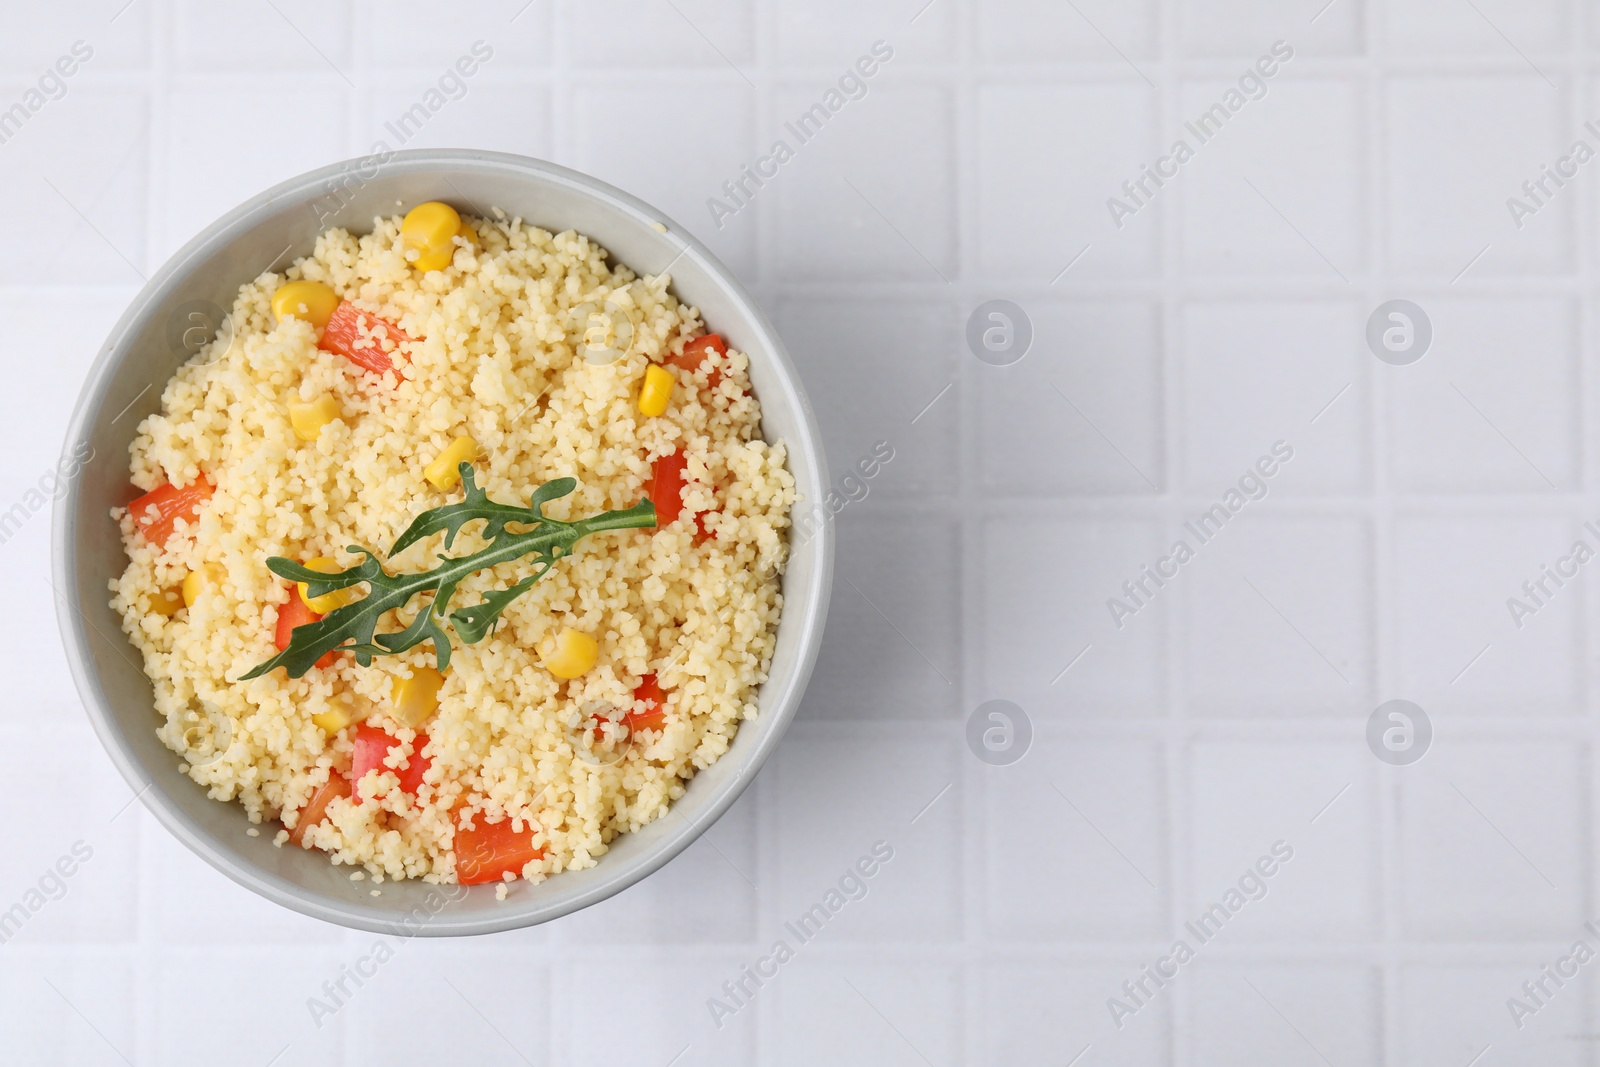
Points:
(876, 366)
(707, 895)
(662, 164)
(1026, 31)
(1440, 1023)
(1455, 577)
(1260, 372)
(1269, 634)
(832, 34)
(490, 1007)
(914, 896)
(284, 34)
(198, 991)
(70, 862)
(1286, 1015)
(1168, 754)
(1244, 29)
(666, 1012)
(477, 117)
(1045, 584)
(1040, 201)
(1482, 850)
(1458, 425)
(209, 174)
(1247, 797)
(72, 1009)
(81, 165)
(395, 40)
(1432, 26)
(869, 195)
(1085, 823)
(696, 33)
(1438, 224)
(878, 1014)
(1083, 412)
(1283, 187)
(899, 607)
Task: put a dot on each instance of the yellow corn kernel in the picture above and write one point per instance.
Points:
(310, 417)
(167, 602)
(656, 392)
(443, 472)
(570, 653)
(468, 234)
(208, 579)
(341, 713)
(416, 698)
(427, 230)
(327, 601)
(311, 301)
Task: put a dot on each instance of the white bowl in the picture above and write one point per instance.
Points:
(182, 305)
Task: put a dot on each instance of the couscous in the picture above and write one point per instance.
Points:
(458, 555)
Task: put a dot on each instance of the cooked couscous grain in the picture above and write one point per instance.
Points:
(497, 357)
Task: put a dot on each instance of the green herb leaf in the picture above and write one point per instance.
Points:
(353, 627)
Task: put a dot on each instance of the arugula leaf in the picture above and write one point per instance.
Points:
(353, 627)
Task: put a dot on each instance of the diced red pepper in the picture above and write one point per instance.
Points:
(697, 351)
(296, 613)
(316, 808)
(490, 850)
(157, 512)
(342, 336)
(655, 713)
(701, 534)
(372, 747)
(666, 487)
(666, 493)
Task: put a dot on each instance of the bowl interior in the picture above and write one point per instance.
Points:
(182, 304)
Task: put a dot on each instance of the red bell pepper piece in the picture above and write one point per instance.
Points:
(296, 613)
(372, 747)
(343, 336)
(156, 512)
(696, 352)
(666, 493)
(316, 808)
(666, 487)
(701, 534)
(490, 850)
(654, 714)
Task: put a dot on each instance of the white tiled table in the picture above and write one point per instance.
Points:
(1167, 755)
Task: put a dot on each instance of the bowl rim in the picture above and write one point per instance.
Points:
(779, 706)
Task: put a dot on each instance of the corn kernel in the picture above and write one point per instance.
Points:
(444, 471)
(167, 602)
(309, 418)
(427, 230)
(656, 392)
(340, 714)
(208, 579)
(416, 698)
(468, 234)
(311, 301)
(327, 601)
(570, 653)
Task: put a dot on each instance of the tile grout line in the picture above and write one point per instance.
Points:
(978, 787)
(159, 94)
(1384, 619)
(769, 860)
(1176, 820)
(1580, 89)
